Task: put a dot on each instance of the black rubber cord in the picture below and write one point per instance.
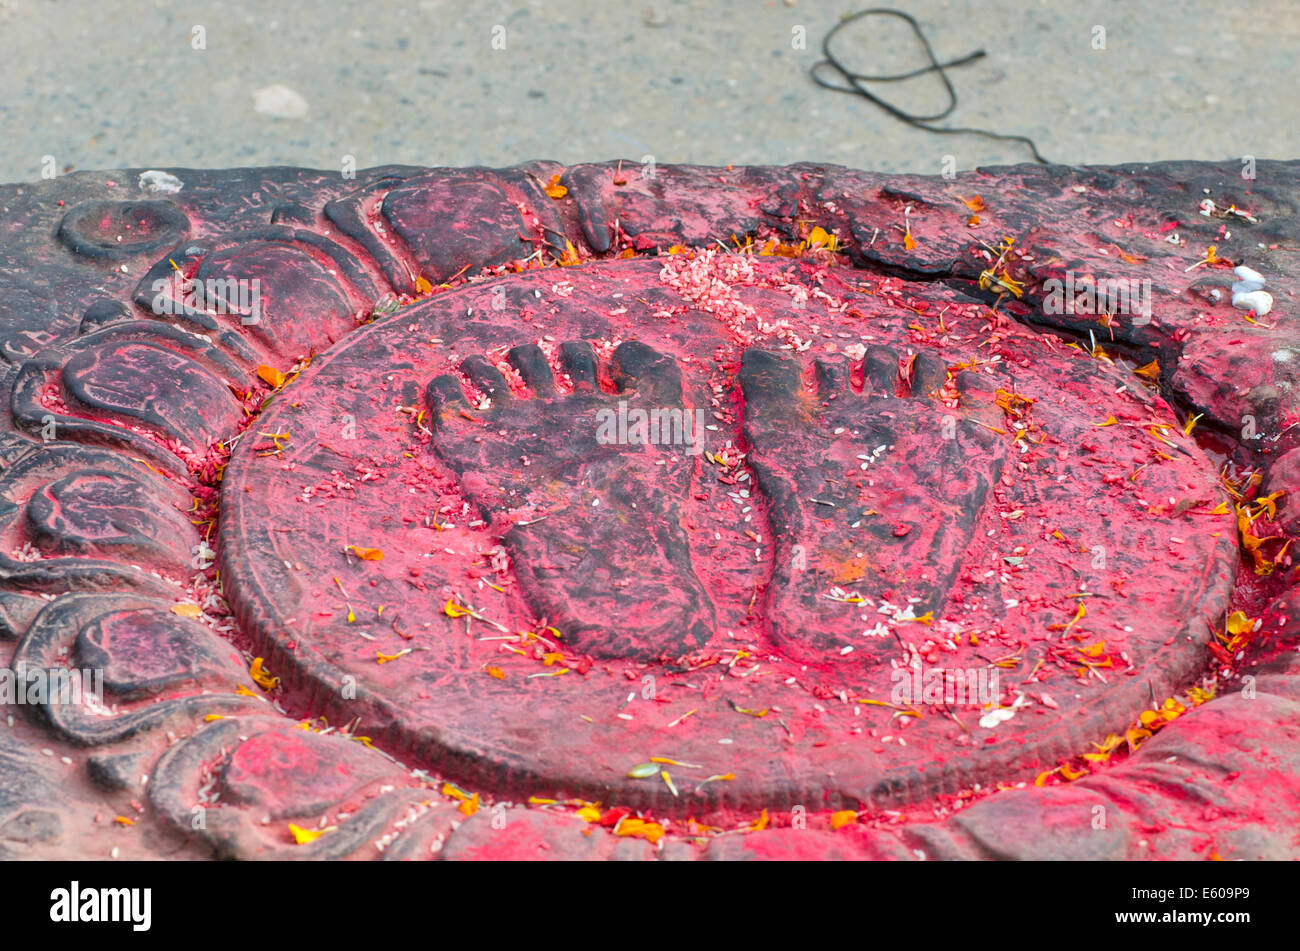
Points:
(855, 81)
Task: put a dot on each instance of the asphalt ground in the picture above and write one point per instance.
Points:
(90, 84)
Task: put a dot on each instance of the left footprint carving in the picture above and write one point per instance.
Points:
(595, 529)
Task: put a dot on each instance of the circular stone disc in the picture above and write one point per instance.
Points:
(715, 530)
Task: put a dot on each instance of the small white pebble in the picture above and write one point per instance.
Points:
(1261, 302)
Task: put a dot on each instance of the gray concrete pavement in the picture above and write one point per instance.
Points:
(101, 84)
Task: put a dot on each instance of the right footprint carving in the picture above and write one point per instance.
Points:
(595, 528)
(870, 492)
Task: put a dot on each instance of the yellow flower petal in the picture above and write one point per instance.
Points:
(639, 828)
(1239, 623)
(452, 609)
(271, 376)
(843, 818)
(668, 781)
(303, 836)
(262, 677)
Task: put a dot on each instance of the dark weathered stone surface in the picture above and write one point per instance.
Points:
(399, 413)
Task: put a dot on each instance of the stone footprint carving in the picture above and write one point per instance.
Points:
(871, 492)
(593, 526)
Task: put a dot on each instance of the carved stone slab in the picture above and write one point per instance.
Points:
(608, 512)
